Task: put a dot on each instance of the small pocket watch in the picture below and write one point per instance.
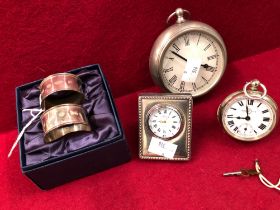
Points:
(165, 126)
(188, 57)
(250, 114)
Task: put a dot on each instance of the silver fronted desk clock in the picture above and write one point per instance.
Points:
(165, 126)
(188, 57)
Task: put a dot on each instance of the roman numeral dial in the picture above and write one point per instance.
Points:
(250, 119)
(192, 63)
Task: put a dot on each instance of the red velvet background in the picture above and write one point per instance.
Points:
(38, 38)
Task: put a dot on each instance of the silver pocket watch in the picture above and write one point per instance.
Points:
(249, 114)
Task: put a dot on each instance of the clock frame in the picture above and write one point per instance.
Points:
(183, 104)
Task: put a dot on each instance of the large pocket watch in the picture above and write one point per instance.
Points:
(188, 57)
(250, 114)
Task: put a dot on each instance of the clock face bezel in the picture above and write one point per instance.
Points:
(167, 37)
(215, 77)
(160, 106)
(241, 96)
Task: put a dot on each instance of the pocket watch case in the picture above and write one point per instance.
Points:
(250, 114)
(182, 41)
(165, 124)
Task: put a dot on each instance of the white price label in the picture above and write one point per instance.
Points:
(163, 148)
(191, 70)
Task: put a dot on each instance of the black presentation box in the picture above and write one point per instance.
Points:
(50, 165)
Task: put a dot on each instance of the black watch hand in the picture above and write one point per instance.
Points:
(241, 118)
(247, 112)
(179, 56)
(208, 68)
(205, 65)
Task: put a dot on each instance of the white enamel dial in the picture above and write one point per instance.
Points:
(164, 121)
(193, 63)
(248, 119)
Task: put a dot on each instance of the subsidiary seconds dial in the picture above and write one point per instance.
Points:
(164, 121)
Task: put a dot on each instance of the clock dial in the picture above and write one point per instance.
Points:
(164, 121)
(193, 63)
(248, 118)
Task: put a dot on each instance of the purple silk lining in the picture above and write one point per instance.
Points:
(99, 114)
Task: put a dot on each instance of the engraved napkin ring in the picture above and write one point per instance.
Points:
(61, 88)
(63, 119)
